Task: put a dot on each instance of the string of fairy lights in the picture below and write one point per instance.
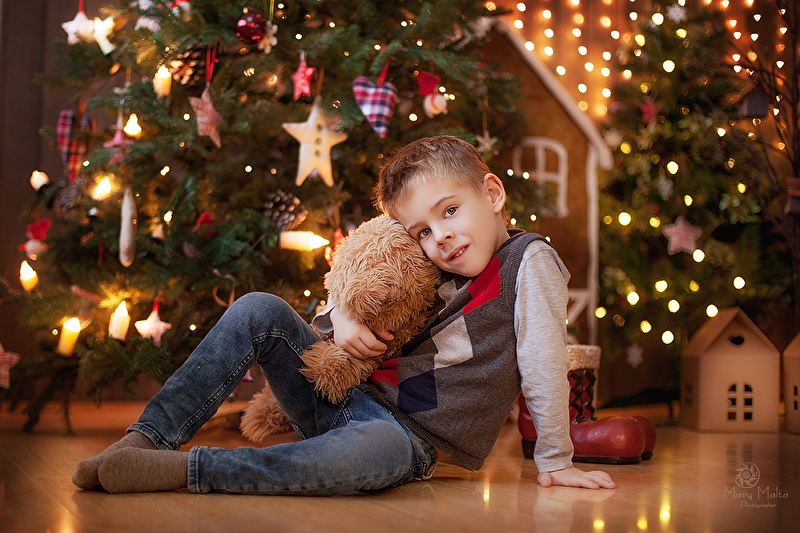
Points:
(579, 40)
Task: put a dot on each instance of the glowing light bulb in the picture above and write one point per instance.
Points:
(738, 282)
(132, 127)
(667, 337)
(698, 255)
(661, 285)
(102, 190)
(633, 298)
(645, 327)
(600, 312)
(711, 311)
(673, 306)
(624, 218)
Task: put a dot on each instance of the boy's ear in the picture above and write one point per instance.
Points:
(495, 191)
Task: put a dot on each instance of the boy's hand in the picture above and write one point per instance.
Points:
(575, 477)
(355, 338)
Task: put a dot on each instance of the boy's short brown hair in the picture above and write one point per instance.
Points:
(426, 159)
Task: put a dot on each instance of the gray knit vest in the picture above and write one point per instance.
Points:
(455, 382)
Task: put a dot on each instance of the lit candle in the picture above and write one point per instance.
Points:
(132, 127)
(102, 190)
(38, 180)
(162, 81)
(120, 320)
(69, 336)
(301, 240)
(28, 277)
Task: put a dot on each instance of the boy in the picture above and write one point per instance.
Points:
(499, 326)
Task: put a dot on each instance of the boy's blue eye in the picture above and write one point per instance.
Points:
(451, 211)
(423, 233)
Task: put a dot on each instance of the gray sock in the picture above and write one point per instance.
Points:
(85, 475)
(137, 470)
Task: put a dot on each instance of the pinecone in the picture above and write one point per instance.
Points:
(284, 210)
(188, 68)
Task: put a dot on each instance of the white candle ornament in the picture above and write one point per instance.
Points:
(69, 336)
(120, 320)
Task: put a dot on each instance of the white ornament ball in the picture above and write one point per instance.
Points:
(434, 104)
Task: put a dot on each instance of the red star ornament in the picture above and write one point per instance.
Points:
(316, 139)
(208, 120)
(302, 78)
(7, 361)
(682, 236)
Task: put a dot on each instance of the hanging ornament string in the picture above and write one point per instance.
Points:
(385, 70)
(80, 5)
(211, 58)
(271, 8)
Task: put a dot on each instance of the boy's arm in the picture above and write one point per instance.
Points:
(350, 335)
(540, 321)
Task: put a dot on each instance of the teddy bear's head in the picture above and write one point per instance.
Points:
(380, 275)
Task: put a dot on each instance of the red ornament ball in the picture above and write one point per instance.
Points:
(250, 28)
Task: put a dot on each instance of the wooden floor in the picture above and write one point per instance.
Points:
(687, 486)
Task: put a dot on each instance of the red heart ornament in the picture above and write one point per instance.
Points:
(376, 103)
(74, 140)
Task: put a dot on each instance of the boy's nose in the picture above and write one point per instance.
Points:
(442, 237)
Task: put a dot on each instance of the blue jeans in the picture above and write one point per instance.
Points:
(356, 445)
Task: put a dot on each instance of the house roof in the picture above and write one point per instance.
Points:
(793, 350)
(715, 326)
(559, 92)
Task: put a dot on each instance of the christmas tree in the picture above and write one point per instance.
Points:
(681, 237)
(218, 147)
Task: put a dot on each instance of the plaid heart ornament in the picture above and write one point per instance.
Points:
(376, 102)
(74, 137)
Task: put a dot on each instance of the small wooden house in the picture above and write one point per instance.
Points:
(563, 150)
(791, 383)
(730, 376)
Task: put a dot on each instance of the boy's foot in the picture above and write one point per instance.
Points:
(85, 475)
(138, 470)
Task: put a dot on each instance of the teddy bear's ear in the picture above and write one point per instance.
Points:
(381, 275)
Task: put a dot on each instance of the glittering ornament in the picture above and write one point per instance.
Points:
(153, 327)
(376, 103)
(682, 236)
(302, 78)
(250, 28)
(284, 211)
(7, 362)
(208, 120)
(316, 139)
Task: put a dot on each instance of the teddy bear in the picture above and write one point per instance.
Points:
(380, 277)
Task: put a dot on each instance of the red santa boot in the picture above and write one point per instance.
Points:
(614, 440)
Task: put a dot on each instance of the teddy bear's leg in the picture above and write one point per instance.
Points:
(263, 416)
(334, 371)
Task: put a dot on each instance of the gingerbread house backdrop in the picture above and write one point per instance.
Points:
(564, 151)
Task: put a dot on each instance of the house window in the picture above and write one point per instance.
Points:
(545, 160)
(740, 403)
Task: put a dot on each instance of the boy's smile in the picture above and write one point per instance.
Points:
(458, 228)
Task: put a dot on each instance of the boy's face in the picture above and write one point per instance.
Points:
(458, 228)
